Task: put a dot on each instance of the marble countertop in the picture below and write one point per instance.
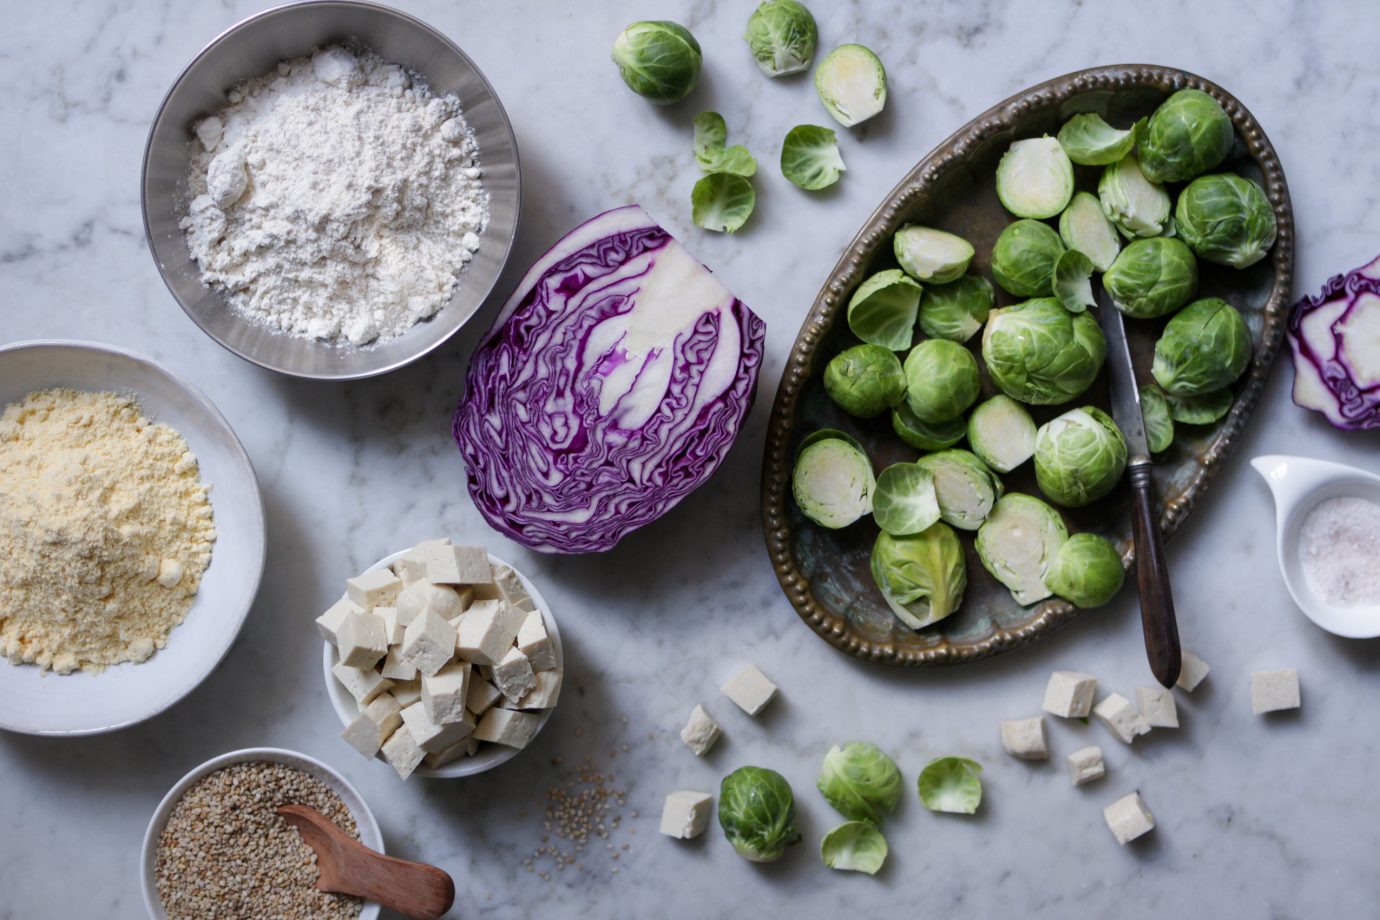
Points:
(1257, 817)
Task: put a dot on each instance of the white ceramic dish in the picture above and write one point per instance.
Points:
(39, 703)
(369, 833)
(490, 755)
(1299, 485)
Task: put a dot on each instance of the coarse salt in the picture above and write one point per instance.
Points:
(1338, 545)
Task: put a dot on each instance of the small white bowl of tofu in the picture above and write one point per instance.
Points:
(441, 660)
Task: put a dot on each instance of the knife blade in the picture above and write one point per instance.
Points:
(1121, 379)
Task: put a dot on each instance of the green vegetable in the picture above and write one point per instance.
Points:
(1152, 277)
(951, 785)
(1090, 141)
(832, 481)
(922, 577)
(866, 380)
(855, 846)
(860, 781)
(782, 35)
(1035, 178)
(1188, 135)
(1018, 541)
(851, 83)
(810, 157)
(1024, 257)
(1226, 219)
(1041, 354)
(1087, 571)
(963, 486)
(942, 380)
(1079, 456)
(882, 310)
(1200, 410)
(757, 813)
(1137, 206)
(711, 134)
(1073, 281)
(904, 501)
(722, 202)
(658, 60)
(1084, 227)
(932, 255)
(922, 435)
(957, 310)
(1159, 423)
(1204, 347)
(1002, 433)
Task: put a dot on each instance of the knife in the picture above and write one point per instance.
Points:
(1152, 570)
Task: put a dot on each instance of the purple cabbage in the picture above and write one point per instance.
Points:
(612, 385)
(1335, 338)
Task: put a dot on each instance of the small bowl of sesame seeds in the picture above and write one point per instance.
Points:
(217, 848)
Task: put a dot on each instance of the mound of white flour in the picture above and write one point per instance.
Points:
(336, 198)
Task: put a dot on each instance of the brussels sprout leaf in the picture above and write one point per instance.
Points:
(810, 157)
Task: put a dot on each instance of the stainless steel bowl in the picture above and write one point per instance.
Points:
(253, 47)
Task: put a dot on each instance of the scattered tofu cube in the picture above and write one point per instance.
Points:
(1157, 707)
(487, 630)
(1192, 670)
(1128, 818)
(1069, 694)
(1274, 691)
(444, 693)
(1024, 739)
(395, 668)
(401, 751)
(407, 692)
(441, 600)
(513, 675)
(451, 754)
(376, 588)
(685, 814)
(482, 695)
(362, 640)
(433, 737)
(456, 565)
(511, 588)
(750, 689)
(545, 693)
(428, 643)
(372, 727)
(532, 638)
(363, 683)
(329, 623)
(1121, 718)
(507, 727)
(700, 733)
(1086, 764)
(392, 628)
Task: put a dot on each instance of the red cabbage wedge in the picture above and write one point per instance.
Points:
(1335, 338)
(611, 386)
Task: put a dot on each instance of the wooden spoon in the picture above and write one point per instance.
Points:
(347, 866)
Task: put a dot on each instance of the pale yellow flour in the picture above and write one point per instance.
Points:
(105, 531)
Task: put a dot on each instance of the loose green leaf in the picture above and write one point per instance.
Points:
(882, 310)
(1073, 281)
(1200, 410)
(1090, 141)
(1159, 422)
(854, 846)
(711, 134)
(951, 784)
(957, 310)
(810, 157)
(904, 501)
(722, 202)
(1084, 227)
(923, 436)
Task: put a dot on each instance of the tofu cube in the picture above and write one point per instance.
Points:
(750, 689)
(362, 640)
(1191, 672)
(410, 567)
(532, 638)
(685, 814)
(329, 623)
(392, 628)
(1274, 691)
(431, 736)
(513, 675)
(545, 693)
(700, 733)
(372, 727)
(1157, 707)
(456, 565)
(395, 668)
(1069, 694)
(487, 630)
(507, 727)
(428, 643)
(1121, 718)
(401, 751)
(1024, 739)
(451, 754)
(407, 692)
(444, 693)
(1086, 765)
(421, 596)
(375, 588)
(510, 587)
(363, 683)
(1128, 818)
(482, 695)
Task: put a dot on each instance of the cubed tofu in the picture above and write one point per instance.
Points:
(433, 736)
(1128, 818)
(700, 733)
(532, 638)
(482, 695)
(1192, 670)
(1024, 739)
(1069, 694)
(372, 727)
(1157, 707)
(511, 587)
(362, 640)
(457, 565)
(507, 727)
(401, 751)
(444, 693)
(750, 689)
(487, 630)
(1086, 765)
(407, 692)
(421, 596)
(375, 588)
(392, 628)
(395, 668)
(410, 567)
(428, 643)
(451, 754)
(545, 693)
(513, 675)
(329, 623)
(363, 683)
(1120, 717)
(1274, 691)
(685, 814)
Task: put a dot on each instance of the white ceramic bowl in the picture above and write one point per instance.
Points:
(369, 833)
(42, 703)
(489, 755)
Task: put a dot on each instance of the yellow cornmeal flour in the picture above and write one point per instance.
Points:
(105, 531)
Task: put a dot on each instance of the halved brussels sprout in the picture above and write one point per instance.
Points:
(810, 157)
(722, 202)
(1159, 423)
(904, 501)
(855, 846)
(932, 255)
(711, 134)
(882, 310)
(1137, 206)
(1079, 456)
(1024, 256)
(1090, 141)
(851, 83)
(757, 813)
(1035, 178)
(1200, 410)
(964, 488)
(1226, 219)
(865, 380)
(832, 481)
(957, 310)
(1152, 277)
(1073, 281)
(1187, 135)
(1204, 347)
(1086, 572)
(1002, 433)
(781, 35)
(951, 785)
(922, 435)
(860, 781)
(658, 60)
(1040, 353)
(1085, 228)
(1018, 541)
(942, 380)
(922, 576)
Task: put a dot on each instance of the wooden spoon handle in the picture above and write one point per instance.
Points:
(410, 888)
(1152, 577)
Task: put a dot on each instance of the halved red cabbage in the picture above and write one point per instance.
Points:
(610, 387)
(1335, 338)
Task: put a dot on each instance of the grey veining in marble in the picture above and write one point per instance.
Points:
(1258, 817)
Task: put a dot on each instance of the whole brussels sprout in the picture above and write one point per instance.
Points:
(1041, 354)
(866, 380)
(1018, 541)
(782, 35)
(1024, 257)
(659, 60)
(1079, 456)
(1086, 572)
(1204, 347)
(922, 577)
(1152, 277)
(1138, 207)
(757, 813)
(1226, 219)
(942, 380)
(957, 310)
(1188, 135)
(1159, 421)
(922, 435)
(860, 781)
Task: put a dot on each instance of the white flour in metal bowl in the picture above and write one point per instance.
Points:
(336, 198)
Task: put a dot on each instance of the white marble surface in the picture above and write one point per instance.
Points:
(1257, 817)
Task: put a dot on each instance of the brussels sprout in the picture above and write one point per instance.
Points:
(922, 577)
(951, 785)
(851, 83)
(810, 157)
(1204, 347)
(658, 60)
(1040, 353)
(782, 37)
(722, 202)
(1226, 219)
(1159, 423)
(942, 380)
(1035, 178)
(860, 781)
(865, 380)
(904, 501)
(1085, 228)
(1086, 572)
(1073, 281)
(932, 255)
(757, 813)
(964, 487)
(832, 481)
(1152, 277)
(1079, 456)
(1187, 135)
(1024, 257)
(711, 134)
(1137, 206)
(883, 308)
(1017, 543)
(922, 435)
(1090, 141)
(855, 846)
(1002, 433)
(1199, 410)
(957, 310)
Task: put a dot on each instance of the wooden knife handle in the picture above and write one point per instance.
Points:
(1152, 577)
